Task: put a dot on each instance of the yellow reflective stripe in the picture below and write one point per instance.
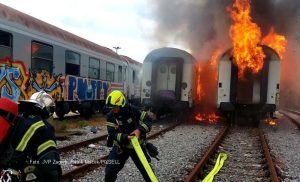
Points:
(111, 124)
(143, 115)
(29, 133)
(144, 126)
(119, 135)
(129, 120)
(44, 146)
(141, 155)
(219, 163)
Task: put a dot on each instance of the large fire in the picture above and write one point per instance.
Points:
(276, 42)
(246, 37)
(199, 89)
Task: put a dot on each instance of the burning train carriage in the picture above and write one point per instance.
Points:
(37, 56)
(252, 96)
(167, 80)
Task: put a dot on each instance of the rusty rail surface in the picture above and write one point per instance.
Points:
(82, 143)
(271, 166)
(297, 123)
(193, 174)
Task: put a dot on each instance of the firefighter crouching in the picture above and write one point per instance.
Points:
(123, 122)
(28, 148)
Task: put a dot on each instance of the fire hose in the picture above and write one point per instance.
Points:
(141, 155)
(219, 163)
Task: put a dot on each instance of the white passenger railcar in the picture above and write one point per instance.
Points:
(79, 74)
(256, 96)
(167, 80)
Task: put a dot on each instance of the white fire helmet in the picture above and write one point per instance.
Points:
(43, 101)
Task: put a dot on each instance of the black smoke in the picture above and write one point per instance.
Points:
(201, 25)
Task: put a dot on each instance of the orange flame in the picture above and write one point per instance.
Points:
(214, 59)
(245, 36)
(271, 122)
(276, 42)
(199, 89)
(211, 118)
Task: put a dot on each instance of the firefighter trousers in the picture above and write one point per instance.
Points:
(117, 159)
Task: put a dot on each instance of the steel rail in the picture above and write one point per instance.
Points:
(199, 166)
(82, 143)
(193, 174)
(265, 147)
(297, 123)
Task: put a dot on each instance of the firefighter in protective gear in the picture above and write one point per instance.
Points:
(123, 122)
(29, 150)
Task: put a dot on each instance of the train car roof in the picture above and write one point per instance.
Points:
(131, 61)
(30, 22)
(167, 52)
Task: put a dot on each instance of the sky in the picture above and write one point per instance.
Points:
(109, 23)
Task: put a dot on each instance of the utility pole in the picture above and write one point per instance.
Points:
(117, 48)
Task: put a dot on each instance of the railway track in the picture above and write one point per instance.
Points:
(248, 157)
(84, 143)
(285, 113)
(83, 168)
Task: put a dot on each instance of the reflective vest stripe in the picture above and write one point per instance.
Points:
(144, 126)
(44, 146)
(111, 124)
(129, 120)
(119, 135)
(143, 159)
(29, 133)
(143, 115)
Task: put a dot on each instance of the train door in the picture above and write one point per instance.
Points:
(166, 76)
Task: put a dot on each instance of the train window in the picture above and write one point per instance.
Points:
(72, 63)
(94, 68)
(124, 76)
(162, 69)
(119, 73)
(133, 76)
(41, 57)
(110, 72)
(5, 44)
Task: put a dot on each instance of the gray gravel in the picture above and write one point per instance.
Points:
(179, 150)
(86, 134)
(72, 159)
(284, 142)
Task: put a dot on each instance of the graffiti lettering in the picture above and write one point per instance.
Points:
(10, 90)
(86, 89)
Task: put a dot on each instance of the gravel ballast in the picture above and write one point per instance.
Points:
(284, 143)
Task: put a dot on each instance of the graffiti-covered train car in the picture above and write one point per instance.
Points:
(79, 74)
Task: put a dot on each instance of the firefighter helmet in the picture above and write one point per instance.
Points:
(42, 102)
(116, 98)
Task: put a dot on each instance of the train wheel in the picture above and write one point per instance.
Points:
(61, 109)
(85, 109)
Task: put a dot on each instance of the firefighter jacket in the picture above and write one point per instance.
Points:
(129, 118)
(34, 149)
